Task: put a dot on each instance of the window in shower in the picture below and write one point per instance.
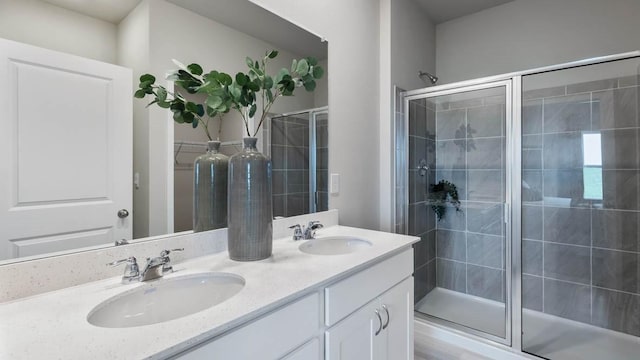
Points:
(581, 212)
(457, 141)
(592, 170)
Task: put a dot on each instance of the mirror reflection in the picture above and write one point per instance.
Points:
(111, 173)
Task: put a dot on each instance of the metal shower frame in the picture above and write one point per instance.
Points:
(512, 82)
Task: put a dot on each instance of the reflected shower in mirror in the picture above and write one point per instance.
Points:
(144, 37)
(299, 153)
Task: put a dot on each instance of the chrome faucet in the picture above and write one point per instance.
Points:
(156, 267)
(308, 233)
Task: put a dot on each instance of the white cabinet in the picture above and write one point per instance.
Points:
(367, 316)
(380, 330)
(274, 336)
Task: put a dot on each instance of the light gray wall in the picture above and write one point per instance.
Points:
(352, 29)
(413, 41)
(133, 52)
(407, 45)
(41, 24)
(526, 34)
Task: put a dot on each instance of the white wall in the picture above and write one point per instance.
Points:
(407, 45)
(133, 52)
(42, 24)
(321, 94)
(526, 34)
(352, 29)
(413, 44)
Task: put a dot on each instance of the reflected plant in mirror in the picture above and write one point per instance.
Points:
(224, 93)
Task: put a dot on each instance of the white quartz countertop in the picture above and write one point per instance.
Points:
(53, 325)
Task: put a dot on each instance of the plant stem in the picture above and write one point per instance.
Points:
(265, 111)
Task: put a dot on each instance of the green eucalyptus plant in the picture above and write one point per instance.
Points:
(223, 93)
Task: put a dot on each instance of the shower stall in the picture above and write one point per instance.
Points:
(298, 144)
(524, 190)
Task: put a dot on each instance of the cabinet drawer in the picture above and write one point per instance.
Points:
(309, 351)
(345, 297)
(270, 337)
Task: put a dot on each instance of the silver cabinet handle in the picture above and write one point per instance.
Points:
(388, 317)
(379, 319)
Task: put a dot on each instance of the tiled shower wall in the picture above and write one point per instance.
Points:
(581, 256)
(470, 246)
(290, 161)
(463, 143)
(421, 219)
(322, 162)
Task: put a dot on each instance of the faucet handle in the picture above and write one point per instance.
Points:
(315, 224)
(164, 254)
(297, 232)
(129, 261)
(131, 271)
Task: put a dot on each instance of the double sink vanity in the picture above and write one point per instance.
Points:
(347, 294)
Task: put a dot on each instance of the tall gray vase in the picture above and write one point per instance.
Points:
(250, 204)
(210, 175)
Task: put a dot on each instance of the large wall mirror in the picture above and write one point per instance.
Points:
(157, 154)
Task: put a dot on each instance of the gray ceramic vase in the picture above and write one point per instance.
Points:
(250, 204)
(210, 175)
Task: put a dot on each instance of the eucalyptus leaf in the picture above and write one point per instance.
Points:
(294, 65)
(254, 85)
(161, 93)
(225, 79)
(252, 110)
(318, 72)
(177, 117)
(200, 110)
(267, 83)
(188, 117)
(281, 74)
(213, 102)
(147, 78)
(139, 94)
(194, 124)
(303, 67)
(164, 104)
(249, 61)
(273, 54)
(195, 69)
(312, 61)
(146, 84)
(241, 79)
(310, 85)
(191, 106)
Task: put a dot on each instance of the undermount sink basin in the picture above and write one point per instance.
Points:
(166, 299)
(334, 245)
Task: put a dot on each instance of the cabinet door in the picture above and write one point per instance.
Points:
(397, 315)
(354, 338)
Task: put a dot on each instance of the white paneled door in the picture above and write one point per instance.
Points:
(65, 151)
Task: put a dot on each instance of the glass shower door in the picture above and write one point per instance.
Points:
(458, 194)
(580, 212)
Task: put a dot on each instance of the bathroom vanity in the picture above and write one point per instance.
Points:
(340, 302)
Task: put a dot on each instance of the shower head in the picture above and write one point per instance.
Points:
(432, 78)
